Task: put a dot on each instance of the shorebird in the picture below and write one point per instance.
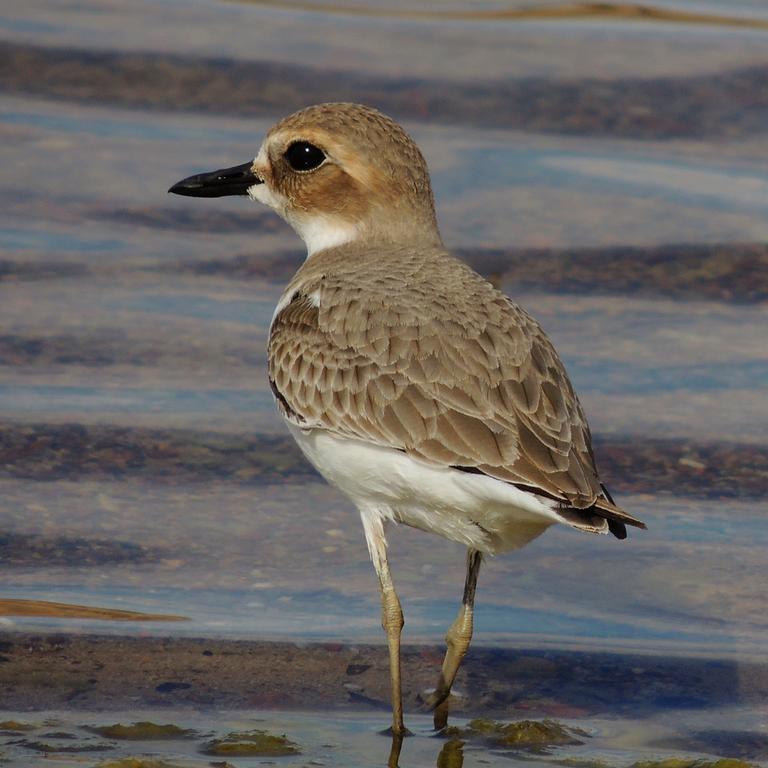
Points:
(409, 381)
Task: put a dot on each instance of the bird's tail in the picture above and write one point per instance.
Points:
(604, 516)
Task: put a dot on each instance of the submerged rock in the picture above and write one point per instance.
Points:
(48, 748)
(532, 735)
(681, 762)
(139, 762)
(142, 731)
(251, 744)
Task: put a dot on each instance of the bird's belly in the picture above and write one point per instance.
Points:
(473, 509)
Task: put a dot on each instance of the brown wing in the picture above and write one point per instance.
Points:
(476, 386)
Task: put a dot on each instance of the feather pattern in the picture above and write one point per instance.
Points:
(411, 349)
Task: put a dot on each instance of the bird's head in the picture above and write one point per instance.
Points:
(337, 173)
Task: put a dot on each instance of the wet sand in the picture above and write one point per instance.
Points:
(727, 104)
(94, 672)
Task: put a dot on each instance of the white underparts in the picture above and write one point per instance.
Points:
(375, 538)
(388, 485)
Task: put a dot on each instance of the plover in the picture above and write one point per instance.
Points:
(409, 381)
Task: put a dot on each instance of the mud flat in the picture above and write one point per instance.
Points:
(92, 672)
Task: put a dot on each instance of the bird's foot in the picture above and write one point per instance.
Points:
(431, 698)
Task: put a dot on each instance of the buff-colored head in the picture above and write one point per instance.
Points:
(337, 173)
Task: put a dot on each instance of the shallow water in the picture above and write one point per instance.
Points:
(354, 739)
(134, 407)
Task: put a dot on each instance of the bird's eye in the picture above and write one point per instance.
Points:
(303, 156)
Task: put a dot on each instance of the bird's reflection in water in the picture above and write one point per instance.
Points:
(394, 752)
(450, 756)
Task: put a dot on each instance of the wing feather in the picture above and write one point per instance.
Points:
(457, 376)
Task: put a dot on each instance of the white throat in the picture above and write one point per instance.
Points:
(322, 232)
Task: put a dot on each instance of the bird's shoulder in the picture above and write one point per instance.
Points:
(395, 293)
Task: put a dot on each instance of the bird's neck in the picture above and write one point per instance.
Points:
(328, 233)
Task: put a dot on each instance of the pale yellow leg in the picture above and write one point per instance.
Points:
(391, 612)
(457, 642)
(392, 622)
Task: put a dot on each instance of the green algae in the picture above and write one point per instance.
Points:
(48, 749)
(524, 733)
(680, 762)
(142, 731)
(15, 725)
(251, 744)
(577, 762)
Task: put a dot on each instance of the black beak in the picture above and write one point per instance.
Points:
(227, 181)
